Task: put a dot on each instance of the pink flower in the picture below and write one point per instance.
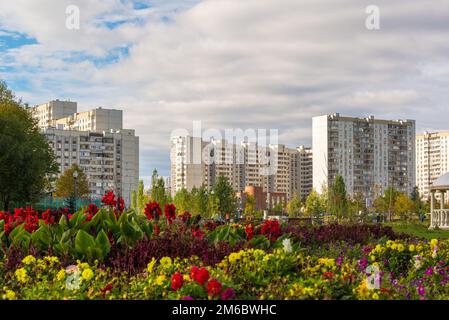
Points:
(228, 294)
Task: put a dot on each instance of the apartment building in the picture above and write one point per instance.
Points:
(305, 164)
(94, 140)
(276, 168)
(432, 159)
(46, 113)
(370, 154)
(97, 120)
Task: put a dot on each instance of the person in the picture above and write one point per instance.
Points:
(378, 218)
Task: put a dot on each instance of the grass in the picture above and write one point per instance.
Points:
(418, 229)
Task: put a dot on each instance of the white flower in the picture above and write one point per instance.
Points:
(417, 263)
(434, 254)
(287, 245)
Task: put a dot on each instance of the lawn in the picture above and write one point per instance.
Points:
(418, 229)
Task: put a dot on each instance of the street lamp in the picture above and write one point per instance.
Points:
(75, 178)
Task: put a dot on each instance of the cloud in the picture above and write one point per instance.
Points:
(233, 63)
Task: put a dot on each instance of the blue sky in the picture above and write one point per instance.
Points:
(230, 63)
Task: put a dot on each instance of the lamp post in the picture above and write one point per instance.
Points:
(75, 178)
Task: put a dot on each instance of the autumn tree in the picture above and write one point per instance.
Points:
(65, 185)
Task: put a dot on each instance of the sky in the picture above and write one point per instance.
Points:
(271, 64)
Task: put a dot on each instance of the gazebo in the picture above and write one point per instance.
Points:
(439, 217)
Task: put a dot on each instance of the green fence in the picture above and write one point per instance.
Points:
(54, 203)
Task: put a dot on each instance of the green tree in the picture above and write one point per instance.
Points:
(338, 202)
(183, 201)
(403, 206)
(142, 198)
(225, 196)
(65, 185)
(385, 203)
(314, 206)
(249, 204)
(357, 205)
(158, 192)
(294, 206)
(201, 201)
(26, 160)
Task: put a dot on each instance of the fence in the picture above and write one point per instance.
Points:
(54, 203)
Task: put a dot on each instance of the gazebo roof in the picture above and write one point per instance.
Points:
(441, 183)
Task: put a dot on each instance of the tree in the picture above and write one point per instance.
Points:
(142, 198)
(26, 159)
(357, 205)
(338, 202)
(403, 206)
(314, 205)
(225, 196)
(201, 201)
(294, 206)
(183, 201)
(249, 204)
(385, 203)
(65, 185)
(158, 192)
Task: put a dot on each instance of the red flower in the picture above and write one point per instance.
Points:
(202, 276)
(197, 232)
(121, 204)
(249, 230)
(170, 212)
(106, 289)
(153, 211)
(328, 274)
(193, 272)
(271, 229)
(177, 281)
(109, 199)
(214, 287)
(91, 211)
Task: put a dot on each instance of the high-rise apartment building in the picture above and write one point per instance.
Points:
(276, 168)
(94, 140)
(46, 113)
(370, 154)
(432, 159)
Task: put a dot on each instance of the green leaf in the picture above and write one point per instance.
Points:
(84, 242)
(102, 242)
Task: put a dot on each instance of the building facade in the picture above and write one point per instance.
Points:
(370, 154)
(275, 169)
(95, 141)
(432, 159)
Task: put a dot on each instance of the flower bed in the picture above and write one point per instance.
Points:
(107, 253)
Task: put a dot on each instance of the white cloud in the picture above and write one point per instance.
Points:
(236, 63)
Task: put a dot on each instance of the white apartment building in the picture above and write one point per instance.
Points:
(95, 141)
(97, 120)
(432, 159)
(195, 162)
(370, 154)
(56, 109)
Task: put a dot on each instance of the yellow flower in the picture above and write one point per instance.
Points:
(9, 295)
(29, 260)
(160, 280)
(52, 260)
(83, 265)
(61, 275)
(186, 277)
(411, 248)
(21, 275)
(433, 242)
(308, 291)
(375, 296)
(165, 262)
(233, 257)
(373, 258)
(87, 274)
(401, 247)
(151, 265)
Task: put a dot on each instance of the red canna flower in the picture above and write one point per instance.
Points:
(214, 287)
(170, 212)
(177, 281)
(249, 230)
(153, 211)
(109, 199)
(271, 229)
